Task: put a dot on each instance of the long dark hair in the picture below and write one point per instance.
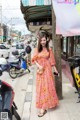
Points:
(41, 35)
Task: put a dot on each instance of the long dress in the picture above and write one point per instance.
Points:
(46, 96)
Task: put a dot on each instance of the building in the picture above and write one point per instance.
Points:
(1, 33)
(1, 30)
(5, 32)
(0, 12)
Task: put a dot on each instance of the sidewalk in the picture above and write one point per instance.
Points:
(67, 110)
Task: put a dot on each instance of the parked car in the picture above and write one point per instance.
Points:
(7, 45)
(20, 47)
(4, 51)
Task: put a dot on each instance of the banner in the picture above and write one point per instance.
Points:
(67, 17)
(36, 2)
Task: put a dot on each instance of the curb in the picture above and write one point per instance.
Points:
(28, 97)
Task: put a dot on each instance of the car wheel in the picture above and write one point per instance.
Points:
(2, 56)
(7, 57)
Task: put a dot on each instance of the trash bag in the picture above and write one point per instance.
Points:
(28, 49)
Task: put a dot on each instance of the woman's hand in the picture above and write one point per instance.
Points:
(40, 67)
(55, 70)
(40, 70)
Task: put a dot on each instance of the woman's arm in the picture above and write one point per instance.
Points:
(52, 61)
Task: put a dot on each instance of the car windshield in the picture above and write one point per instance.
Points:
(20, 46)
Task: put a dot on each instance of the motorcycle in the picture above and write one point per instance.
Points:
(15, 66)
(8, 108)
(19, 68)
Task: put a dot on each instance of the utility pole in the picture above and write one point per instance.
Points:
(57, 52)
(11, 30)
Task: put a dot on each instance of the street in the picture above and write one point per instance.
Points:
(19, 85)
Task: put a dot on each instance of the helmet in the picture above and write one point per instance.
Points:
(28, 49)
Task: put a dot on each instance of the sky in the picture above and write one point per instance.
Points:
(11, 15)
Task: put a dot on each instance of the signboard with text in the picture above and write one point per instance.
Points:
(67, 17)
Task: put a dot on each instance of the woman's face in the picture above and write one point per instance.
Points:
(43, 42)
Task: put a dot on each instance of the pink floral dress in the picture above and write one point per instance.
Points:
(46, 96)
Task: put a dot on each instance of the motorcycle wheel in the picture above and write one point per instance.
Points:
(12, 72)
(9, 116)
(16, 115)
(28, 70)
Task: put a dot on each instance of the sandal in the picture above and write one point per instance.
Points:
(42, 114)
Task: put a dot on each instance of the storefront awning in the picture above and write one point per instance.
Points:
(36, 2)
(37, 17)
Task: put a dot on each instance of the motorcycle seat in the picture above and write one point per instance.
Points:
(14, 62)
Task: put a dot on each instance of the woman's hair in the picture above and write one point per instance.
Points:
(41, 35)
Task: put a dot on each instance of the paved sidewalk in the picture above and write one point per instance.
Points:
(68, 108)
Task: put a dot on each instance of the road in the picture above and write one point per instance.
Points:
(5, 76)
(19, 85)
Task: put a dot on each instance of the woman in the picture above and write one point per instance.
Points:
(45, 88)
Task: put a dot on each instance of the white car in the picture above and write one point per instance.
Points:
(7, 45)
(4, 51)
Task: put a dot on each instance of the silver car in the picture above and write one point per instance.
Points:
(4, 51)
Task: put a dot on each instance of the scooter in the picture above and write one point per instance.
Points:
(5, 64)
(8, 108)
(74, 63)
(15, 66)
(19, 68)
